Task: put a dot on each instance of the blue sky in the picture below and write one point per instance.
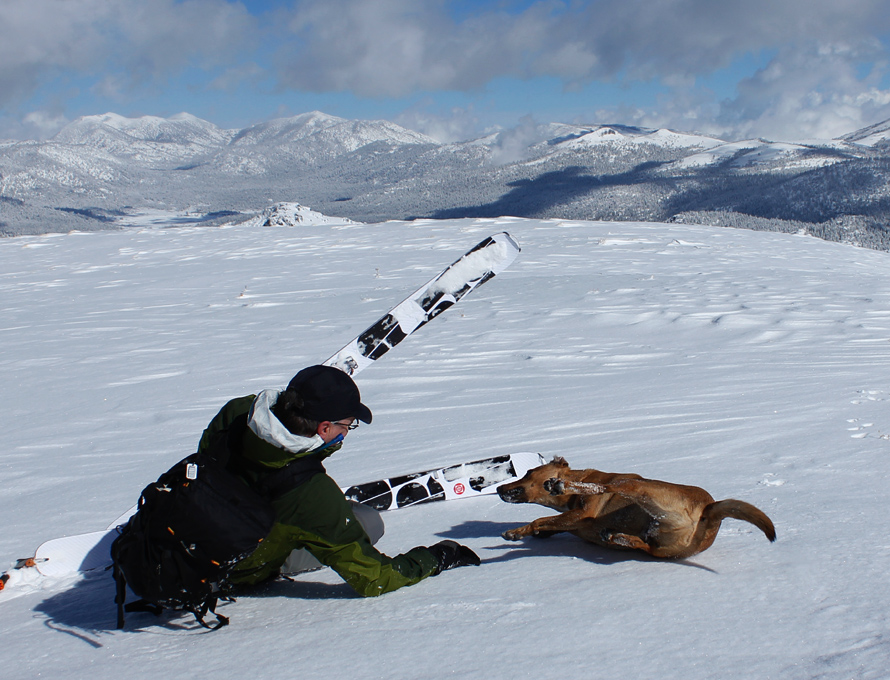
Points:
(778, 69)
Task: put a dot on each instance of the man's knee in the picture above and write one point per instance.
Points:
(370, 520)
(301, 560)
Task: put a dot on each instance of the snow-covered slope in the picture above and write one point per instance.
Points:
(288, 214)
(320, 127)
(778, 156)
(182, 128)
(623, 135)
(145, 139)
(871, 135)
(752, 364)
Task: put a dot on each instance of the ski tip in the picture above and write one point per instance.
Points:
(22, 563)
(27, 562)
(506, 249)
(506, 236)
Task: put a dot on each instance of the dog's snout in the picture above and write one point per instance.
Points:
(510, 495)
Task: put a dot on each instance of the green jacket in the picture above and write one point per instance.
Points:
(315, 514)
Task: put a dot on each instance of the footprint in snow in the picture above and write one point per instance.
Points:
(861, 428)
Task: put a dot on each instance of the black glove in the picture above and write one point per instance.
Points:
(451, 554)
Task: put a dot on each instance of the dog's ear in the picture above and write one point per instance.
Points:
(560, 461)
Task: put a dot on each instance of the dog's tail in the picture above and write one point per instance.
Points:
(715, 512)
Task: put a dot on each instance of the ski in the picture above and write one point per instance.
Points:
(90, 551)
(466, 480)
(71, 554)
(78, 553)
(477, 266)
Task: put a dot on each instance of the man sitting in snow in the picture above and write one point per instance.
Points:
(298, 428)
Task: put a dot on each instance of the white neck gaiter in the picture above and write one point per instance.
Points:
(267, 427)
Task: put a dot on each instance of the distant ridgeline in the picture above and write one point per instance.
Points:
(99, 170)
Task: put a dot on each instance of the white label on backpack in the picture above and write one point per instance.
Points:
(191, 471)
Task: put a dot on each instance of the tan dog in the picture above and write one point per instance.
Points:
(626, 511)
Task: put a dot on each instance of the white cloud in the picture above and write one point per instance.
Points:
(391, 48)
(111, 40)
(815, 91)
(513, 145)
(456, 124)
(394, 47)
(813, 85)
(45, 123)
(809, 90)
(35, 125)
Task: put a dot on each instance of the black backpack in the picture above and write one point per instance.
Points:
(193, 525)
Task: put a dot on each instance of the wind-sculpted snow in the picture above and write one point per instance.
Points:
(751, 364)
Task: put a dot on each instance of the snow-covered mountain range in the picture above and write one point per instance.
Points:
(99, 170)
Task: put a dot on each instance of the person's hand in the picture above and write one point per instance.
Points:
(451, 554)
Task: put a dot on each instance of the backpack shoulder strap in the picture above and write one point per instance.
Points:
(271, 484)
(225, 446)
(292, 475)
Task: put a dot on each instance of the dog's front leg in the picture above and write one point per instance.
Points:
(546, 526)
(558, 487)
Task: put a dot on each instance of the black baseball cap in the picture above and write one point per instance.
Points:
(329, 394)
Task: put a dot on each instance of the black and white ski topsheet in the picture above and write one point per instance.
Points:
(85, 552)
(455, 481)
(478, 265)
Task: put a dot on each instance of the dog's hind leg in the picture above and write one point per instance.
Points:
(626, 541)
(661, 500)
(675, 511)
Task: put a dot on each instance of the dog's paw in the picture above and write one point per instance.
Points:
(513, 534)
(554, 486)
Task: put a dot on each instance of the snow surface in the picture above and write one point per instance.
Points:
(752, 364)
